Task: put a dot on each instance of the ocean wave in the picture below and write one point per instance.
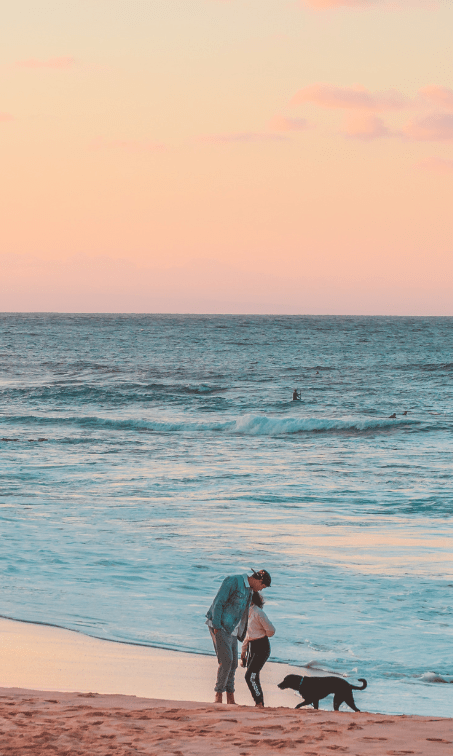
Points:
(430, 367)
(64, 391)
(248, 425)
(272, 426)
(433, 677)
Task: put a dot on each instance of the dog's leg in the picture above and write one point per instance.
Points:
(304, 703)
(337, 701)
(316, 704)
(349, 700)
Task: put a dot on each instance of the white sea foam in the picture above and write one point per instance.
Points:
(248, 424)
(261, 425)
(432, 677)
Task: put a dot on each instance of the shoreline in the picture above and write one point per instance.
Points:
(38, 656)
(107, 640)
(63, 693)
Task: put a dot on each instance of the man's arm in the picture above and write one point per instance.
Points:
(219, 602)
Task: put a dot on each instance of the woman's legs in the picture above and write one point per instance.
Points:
(259, 654)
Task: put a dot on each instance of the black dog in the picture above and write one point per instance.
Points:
(312, 689)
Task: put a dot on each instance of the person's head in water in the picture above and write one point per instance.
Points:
(257, 599)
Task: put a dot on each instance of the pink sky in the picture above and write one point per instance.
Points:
(287, 156)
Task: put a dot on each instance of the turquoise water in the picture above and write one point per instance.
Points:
(171, 455)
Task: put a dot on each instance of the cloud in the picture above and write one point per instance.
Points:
(357, 97)
(438, 95)
(50, 63)
(365, 126)
(6, 117)
(438, 126)
(280, 123)
(437, 164)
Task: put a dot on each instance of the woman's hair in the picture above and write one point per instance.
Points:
(257, 599)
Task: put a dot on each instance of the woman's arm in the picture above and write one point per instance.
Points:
(244, 648)
(266, 624)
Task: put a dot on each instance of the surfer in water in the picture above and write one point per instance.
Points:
(296, 395)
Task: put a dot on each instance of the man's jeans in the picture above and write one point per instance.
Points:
(226, 648)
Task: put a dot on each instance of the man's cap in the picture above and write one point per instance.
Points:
(262, 575)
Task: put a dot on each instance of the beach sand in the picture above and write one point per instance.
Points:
(125, 700)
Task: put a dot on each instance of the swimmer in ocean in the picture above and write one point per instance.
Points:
(296, 395)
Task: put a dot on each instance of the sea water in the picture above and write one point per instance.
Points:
(146, 457)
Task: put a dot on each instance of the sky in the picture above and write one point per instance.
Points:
(227, 156)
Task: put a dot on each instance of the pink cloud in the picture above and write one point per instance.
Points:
(365, 126)
(438, 95)
(328, 96)
(50, 63)
(280, 123)
(6, 117)
(437, 164)
(438, 126)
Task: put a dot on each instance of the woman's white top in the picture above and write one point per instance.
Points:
(259, 625)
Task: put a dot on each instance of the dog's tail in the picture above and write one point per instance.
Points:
(357, 687)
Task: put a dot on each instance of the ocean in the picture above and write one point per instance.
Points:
(146, 457)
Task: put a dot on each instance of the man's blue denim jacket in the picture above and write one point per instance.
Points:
(230, 605)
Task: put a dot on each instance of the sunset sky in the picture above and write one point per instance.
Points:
(215, 156)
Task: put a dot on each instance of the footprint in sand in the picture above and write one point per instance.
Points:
(337, 748)
(381, 721)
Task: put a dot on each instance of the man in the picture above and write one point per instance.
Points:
(227, 621)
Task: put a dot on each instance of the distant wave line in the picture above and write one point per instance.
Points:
(249, 425)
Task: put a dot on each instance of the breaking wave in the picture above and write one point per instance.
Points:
(248, 425)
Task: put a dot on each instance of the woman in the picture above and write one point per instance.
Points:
(256, 647)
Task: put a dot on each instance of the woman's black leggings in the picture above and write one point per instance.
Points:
(259, 651)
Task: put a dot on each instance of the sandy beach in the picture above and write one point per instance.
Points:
(65, 693)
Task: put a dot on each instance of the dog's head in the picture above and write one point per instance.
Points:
(290, 681)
